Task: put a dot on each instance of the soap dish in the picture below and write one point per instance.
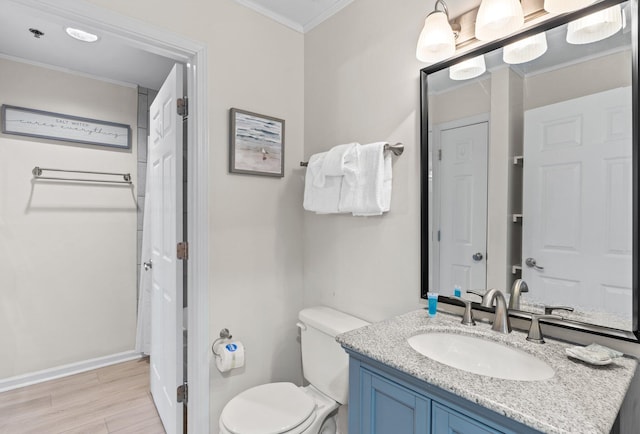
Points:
(593, 354)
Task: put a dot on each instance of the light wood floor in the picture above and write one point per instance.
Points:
(114, 399)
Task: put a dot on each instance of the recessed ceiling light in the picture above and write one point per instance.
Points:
(81, 35)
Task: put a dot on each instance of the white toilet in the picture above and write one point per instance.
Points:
(278, 408)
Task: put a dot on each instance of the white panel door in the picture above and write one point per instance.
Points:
(577, 202)
(463, 207)
(165, 163)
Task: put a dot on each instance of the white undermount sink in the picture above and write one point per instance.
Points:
(481, 356)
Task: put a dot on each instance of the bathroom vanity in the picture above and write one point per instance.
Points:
(395, 389)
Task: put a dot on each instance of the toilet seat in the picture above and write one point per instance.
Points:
(272, 408)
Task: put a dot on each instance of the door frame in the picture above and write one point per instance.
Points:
(194, 55)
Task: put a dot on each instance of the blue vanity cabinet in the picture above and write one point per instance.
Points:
(390, 409)
(384, 400)
(447, 421)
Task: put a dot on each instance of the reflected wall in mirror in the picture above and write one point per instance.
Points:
(530, 171)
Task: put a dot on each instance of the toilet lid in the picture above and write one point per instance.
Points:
(267, 409)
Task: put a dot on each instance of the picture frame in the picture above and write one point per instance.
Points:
(256, 144)
(42, 124)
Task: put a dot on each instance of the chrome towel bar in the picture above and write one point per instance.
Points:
(397, 150)
(37, 173)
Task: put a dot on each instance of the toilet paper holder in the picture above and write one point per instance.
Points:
(224, 334)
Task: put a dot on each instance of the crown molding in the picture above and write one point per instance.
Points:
(270, 14)
(326, 14)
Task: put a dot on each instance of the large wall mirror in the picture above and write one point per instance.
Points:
(530, 171)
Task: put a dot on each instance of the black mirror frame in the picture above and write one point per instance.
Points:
(634, 335)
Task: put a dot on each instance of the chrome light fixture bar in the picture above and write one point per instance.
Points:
(495, 19)
(435, 41)
(564, 6)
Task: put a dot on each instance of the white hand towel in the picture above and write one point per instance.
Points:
(341, 160)
(322, 200)
(372, 196)
(387, 183)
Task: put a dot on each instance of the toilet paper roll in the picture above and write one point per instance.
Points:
(230, 355)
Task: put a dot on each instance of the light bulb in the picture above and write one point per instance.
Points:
(437, 40)
(525, 50)
(498, 18)
(468, 69)
(595, 27)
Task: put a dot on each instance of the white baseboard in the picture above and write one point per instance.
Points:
(66, 370)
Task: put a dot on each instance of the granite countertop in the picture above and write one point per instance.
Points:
(579, 398)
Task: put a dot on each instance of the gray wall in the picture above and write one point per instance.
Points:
(67, 265)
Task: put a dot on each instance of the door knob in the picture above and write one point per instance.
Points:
(477, 256)
(148, 265)
(531, 262)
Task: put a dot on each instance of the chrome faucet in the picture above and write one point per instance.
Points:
(501, 321)
(519, 286)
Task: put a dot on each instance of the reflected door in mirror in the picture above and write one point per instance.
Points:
(463, 207)
(577, 184)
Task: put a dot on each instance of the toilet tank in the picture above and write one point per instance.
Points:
(324, 363)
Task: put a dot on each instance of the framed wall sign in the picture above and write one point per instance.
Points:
(55, 126)
(256, 144)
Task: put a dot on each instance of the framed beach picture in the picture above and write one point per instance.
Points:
(256, 144)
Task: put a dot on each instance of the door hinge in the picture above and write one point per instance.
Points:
(438, 235)
(439, 154)
(183, 393)
(183, 107)
(182, 250)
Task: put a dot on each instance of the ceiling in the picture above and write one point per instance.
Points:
(114, 59)
(108, 58)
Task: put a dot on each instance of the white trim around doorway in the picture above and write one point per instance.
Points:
(193, 54)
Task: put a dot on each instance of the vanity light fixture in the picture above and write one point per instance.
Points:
(525, 50)
(437, 40)
(81, 35)
(595, 27)
(563, 6)
(468, 69)
(498, 18)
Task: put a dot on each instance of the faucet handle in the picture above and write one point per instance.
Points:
(482, 294)
(477, 292)
(467, 317)
(548, 310)
(535, 333)
(487, 296)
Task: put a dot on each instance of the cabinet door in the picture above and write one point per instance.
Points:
(388, 408)
(447, 421)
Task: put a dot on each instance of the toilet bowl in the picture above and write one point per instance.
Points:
(284, 408)
(277, 408)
